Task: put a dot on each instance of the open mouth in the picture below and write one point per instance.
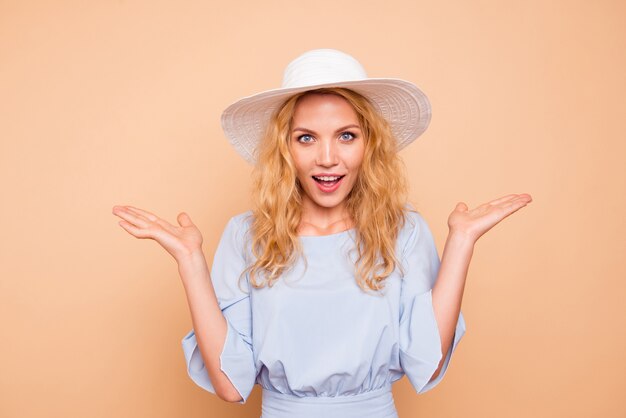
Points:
(328, 181)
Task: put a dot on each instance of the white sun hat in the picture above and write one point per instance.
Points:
(405, 106)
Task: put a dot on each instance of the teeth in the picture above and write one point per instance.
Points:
(325, 178)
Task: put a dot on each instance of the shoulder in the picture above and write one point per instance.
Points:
(414, 229)
(414, 222)
(242, 220)
(238, 227)
(239, 224)
(234, 238)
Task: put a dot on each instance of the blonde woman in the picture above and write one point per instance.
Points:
(330, 288)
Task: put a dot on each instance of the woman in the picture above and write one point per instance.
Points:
(331, 288)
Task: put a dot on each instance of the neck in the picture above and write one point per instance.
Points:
(316, 219)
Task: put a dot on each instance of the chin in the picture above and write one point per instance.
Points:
(329, 202)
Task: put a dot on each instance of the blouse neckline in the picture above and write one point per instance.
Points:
(327, 236)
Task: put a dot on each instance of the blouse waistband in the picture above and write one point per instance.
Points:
(377, 403)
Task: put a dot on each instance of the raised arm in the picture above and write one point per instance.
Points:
(465, 227)
(184, 243)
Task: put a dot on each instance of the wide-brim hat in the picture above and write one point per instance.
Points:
(405, 106)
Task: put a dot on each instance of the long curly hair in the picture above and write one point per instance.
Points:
(376, 203)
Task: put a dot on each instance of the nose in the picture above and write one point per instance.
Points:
(327, 153)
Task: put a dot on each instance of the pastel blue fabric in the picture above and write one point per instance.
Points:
(315, 342)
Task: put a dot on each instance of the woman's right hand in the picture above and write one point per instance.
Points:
(180, 241)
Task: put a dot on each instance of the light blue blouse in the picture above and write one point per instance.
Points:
(317, 343)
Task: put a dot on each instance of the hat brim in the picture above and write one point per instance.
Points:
(404, 105)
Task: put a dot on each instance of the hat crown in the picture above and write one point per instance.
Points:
(321, 66)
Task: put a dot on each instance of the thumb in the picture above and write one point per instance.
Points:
(461, 207)
(184, 219)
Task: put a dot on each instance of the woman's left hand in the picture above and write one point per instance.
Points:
(474, 223)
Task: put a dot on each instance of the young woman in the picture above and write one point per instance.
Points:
(331, 287)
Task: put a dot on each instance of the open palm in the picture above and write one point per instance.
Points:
(475, 222)
(179, 241)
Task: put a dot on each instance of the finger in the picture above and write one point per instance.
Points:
(521, 201)
(461, 207)
(145, 213)
(184, 219)
(132, 229)
(133, 218)
(514, 206)
(153, 218)
(503, 199)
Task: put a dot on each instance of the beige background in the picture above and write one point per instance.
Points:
(118, 102)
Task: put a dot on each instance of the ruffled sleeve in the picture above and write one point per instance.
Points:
(236, 359)
(420, 342)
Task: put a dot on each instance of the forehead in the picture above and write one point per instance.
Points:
(317, 105)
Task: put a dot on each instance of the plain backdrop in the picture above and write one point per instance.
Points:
(118, 102)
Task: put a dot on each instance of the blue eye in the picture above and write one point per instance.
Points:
(348, 136)
(305, 138)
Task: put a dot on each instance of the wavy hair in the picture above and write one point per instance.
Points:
(376, 203)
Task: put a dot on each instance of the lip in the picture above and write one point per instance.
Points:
(331, 188)
(328, 175)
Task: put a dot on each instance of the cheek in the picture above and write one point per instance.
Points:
(355, 160)
(300, 164)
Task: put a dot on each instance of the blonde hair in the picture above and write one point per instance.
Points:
(376, 203)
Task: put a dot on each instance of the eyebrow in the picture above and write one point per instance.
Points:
(337, 131)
